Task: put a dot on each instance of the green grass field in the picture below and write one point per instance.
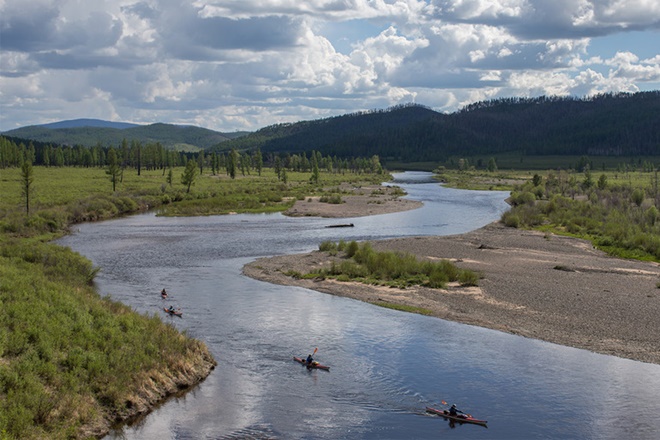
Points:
(59, 187)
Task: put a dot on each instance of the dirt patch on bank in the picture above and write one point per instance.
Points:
(357, 201)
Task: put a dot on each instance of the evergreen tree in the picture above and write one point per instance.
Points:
(214, 163)
(315, 169)
(113, 170)
(588, 181)
(27, 179)
(189, 174)
(278, 167)
(492, 165)
(137, 153)
(200, 162)
(232, 163)
(258, 161)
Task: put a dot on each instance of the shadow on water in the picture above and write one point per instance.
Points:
(386, 365)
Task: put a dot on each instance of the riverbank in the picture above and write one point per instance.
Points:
(154, 387)
(75, 363)
(548, 287)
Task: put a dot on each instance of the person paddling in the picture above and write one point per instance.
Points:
(163, 293)
(453, 411)
(310, 360)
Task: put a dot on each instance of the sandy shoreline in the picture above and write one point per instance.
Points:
(363, 201)
(547, 287)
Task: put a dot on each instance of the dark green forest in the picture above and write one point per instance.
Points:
(603, 125)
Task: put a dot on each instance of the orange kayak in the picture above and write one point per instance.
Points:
(314, 364)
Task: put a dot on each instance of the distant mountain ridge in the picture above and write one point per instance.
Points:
(91, 132)
(84, 122)
(609, 125)
(623, 124)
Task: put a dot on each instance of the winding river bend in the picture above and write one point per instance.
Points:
(386, 366)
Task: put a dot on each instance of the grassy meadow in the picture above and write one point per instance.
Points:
(72, 189)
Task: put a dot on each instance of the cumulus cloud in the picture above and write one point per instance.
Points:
(243, 64)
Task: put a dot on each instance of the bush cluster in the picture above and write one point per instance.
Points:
(363, 263)
(620, 219)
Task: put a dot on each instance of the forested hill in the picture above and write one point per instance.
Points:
(178, 137)
(621, 124)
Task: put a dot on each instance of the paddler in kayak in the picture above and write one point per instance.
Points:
(453, 411)
(310, 360)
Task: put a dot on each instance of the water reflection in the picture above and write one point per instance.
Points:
(386, 366)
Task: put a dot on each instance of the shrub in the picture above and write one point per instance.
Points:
(522, 198)
(352, 248)
(334, 199)
(468, 278)
(511, 220)
(328, 246)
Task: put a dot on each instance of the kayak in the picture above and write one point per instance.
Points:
(173, 312)
(458, 418)
(314, 364)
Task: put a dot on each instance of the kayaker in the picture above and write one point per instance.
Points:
(172, 309)
(453, 411)
(309, 359)
(163, 292)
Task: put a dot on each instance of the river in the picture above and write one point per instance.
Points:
(386, 366)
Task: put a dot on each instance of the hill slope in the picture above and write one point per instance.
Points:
(75, 123)
(622, 124)
(108, 134)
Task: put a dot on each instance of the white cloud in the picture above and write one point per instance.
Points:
(242, 64)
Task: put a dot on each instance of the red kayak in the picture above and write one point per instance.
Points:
(173, 312)
(460, 418)
(314, 364)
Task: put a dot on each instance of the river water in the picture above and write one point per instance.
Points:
(386, 366)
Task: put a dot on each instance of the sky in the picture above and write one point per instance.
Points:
(235, 65)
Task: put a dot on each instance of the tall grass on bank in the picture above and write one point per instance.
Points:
(69, 358)
(362, 263)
